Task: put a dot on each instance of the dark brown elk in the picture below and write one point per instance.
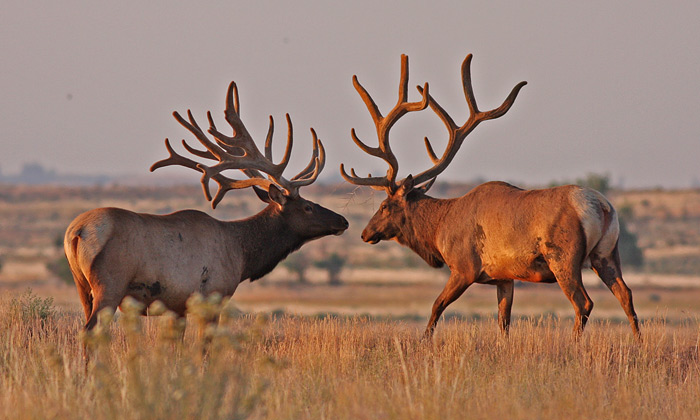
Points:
(114, 253)
(496, 233)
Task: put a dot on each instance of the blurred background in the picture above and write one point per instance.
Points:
(88, 90)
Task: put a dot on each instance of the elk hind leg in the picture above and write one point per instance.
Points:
(104, 296)
(504, 293)
(456, 285)
(608, 269)
(100, 299)
(85, 294)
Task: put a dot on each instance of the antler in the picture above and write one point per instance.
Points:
(458, 134)
(383, 125)
(240, 152)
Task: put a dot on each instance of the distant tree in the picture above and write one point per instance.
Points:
(59, 267)
(334, 264)
(58, 241)
(599, 182)
(298, 263)
(630, 253)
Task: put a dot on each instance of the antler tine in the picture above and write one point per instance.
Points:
(383, 125)
(457, 134)
(268, 139)
(467, 85)
(232, 111)
(309, 174)
(232, 98)
(201, 153)
(193, 128)
(288, 149)
(290, 141)
(173, 159)
(369, 181)
(230, 149)
(227, 184)
(318, 151)
(431, 153)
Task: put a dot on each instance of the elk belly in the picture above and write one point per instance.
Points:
(145, 292)
(533, 269)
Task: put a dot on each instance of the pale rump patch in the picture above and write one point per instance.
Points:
(598, 220)
(94, 237)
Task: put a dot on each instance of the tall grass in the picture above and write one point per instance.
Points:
(342, 368)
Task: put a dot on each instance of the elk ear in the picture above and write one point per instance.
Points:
(262, 194)
(425, 187)
(406, 186)
(277, 196)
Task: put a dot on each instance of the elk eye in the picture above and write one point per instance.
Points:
(307, 208)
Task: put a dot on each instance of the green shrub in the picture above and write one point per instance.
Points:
(29, 307)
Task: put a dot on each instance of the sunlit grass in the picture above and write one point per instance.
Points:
(290, 367)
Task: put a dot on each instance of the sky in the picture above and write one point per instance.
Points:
(613, 87)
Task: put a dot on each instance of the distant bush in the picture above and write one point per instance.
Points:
(630, 253)
(677, 264)
(599, 182)
(334, 264)
(60, 268)
(298, 263)
(29, 307)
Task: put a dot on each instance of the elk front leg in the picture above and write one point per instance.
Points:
(504, 292)
(454, 288)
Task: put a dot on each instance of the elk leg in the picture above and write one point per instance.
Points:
(572, 285)
(85, 294)
(99, 301)
(504, 293)
(609, 271)
(454, 288)
(103, 297)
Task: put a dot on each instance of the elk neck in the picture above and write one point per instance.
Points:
(266, 241)
(424, 218)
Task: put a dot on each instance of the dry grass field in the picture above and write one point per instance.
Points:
(298, 367)
(285, 350)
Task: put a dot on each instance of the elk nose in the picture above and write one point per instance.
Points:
(345, 223)
(366, 235)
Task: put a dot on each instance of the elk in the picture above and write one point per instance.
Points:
(496, 233)
(114, 253)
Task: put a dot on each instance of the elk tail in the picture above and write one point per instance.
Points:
(599, 222)
(82, 243)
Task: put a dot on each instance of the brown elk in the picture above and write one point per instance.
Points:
(114, 253)
(496, 233)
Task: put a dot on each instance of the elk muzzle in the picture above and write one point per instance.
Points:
(370, 236)
(344, 225)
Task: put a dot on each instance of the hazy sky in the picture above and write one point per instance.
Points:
(89, 87)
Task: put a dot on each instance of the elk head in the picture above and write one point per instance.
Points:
(240, 152)
(302, 216)
(390, 219)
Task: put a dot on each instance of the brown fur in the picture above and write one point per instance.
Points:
(114, 253)
(498, 233)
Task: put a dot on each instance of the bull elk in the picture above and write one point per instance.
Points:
(496, 233)
(114, 253)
